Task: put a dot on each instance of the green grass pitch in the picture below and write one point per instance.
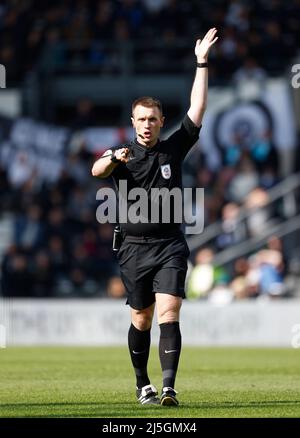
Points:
(99, 382)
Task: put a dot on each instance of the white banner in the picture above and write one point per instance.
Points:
(106, 322)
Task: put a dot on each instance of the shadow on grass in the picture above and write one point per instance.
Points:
(130, 409)
(249, 404)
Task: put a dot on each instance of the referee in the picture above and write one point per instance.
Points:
(153, 256)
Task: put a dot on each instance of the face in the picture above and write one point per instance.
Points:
(147, 123)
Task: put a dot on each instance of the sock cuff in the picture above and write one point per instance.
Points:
(169, 329)
(133, 329)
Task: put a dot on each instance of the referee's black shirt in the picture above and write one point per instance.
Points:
(157, 167)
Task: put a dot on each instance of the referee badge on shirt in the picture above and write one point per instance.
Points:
(166, 171)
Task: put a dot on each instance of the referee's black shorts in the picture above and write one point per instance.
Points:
(152, 265)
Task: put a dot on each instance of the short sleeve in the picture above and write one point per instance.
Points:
(191, 129)
(182, 140)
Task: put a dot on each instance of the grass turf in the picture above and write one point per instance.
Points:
(99, 382)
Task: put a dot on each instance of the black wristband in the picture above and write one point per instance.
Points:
(202, 64)
(114, 159)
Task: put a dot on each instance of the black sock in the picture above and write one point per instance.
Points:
(139, 346)
(169, 351)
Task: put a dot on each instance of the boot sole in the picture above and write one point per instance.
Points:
(169, 401)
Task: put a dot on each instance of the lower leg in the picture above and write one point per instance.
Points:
(139, 347)
(169, 351)
(139, 343)
(168, 310)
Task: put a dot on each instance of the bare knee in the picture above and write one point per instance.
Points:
(168, 315)
(168, 309)
(142, 319)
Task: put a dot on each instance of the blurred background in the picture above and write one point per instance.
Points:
(73, 67)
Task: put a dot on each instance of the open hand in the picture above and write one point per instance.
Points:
(203, 46)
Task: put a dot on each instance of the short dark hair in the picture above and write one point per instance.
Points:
(148, 102)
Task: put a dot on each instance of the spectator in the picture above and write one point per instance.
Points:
(245, 180)
(201, 279)
(17, 279)
(42, 277)
(239, 284)
(79, 209)
(271, 281)
(29, 228)
(58, 257)
(233, 229)
(257, 202)
(4, 189)
(85, 115)
(56, 224)
(264, 153)
(53, 54)
(115, 288)
(21, 169)
(250, 71)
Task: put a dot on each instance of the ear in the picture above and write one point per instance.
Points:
(132, 121)
(162, 121)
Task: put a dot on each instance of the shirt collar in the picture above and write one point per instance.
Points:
(145, 148)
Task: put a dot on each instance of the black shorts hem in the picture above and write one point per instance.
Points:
(170, 292)
(143, 306)
(139, 307)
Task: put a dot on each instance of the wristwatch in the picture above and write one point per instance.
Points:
(114, 159)
(202, 64)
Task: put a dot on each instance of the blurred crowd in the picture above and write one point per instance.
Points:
(59, 249)
(237, 197)
(260, 275)
(254, 36)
